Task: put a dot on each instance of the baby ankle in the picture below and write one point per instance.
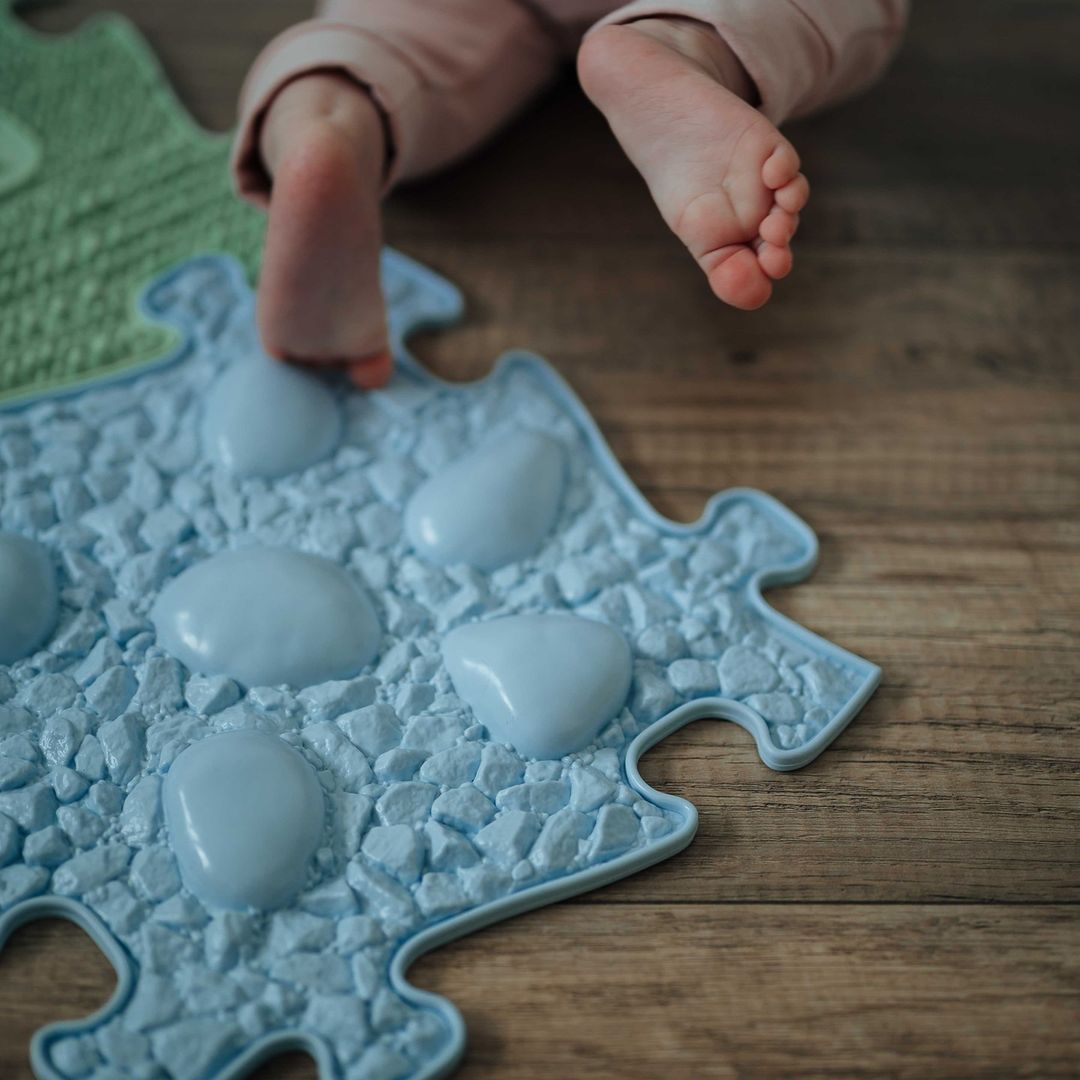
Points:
(703, 44)
(330, 98)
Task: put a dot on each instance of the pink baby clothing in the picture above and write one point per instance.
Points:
(447, 73)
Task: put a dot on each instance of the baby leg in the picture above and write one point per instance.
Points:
(319, 301)
(334, 113)
(693, 91)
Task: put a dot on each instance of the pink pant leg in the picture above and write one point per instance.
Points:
(801, 54)
(445, 73)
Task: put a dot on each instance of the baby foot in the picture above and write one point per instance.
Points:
(319, 296)
(725, 180)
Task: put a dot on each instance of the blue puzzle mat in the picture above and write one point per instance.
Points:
(298, 683)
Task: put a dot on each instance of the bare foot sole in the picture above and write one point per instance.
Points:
(319, 297)
(724, 179)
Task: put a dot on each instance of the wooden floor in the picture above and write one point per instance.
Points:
(907, 906)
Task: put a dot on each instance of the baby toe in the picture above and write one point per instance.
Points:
(794, 194)
(372, 372)
(738, 280)
(778, 227)
(780, 167)
(775, 261)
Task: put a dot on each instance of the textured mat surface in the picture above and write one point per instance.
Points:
(104, 181)
(428, 825)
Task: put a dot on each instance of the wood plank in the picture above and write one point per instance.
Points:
(883, 320)
(769, 990)
(708, 990)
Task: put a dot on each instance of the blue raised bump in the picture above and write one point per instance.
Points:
(546, 684)
(244, 813)
(267, 616)
(266, 418)
(493, 506)
(28, 597)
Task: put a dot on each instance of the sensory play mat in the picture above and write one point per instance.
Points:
(104, 181)
(297, 683)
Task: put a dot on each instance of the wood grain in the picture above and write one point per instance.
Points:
(726, 990)
(906, 906)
